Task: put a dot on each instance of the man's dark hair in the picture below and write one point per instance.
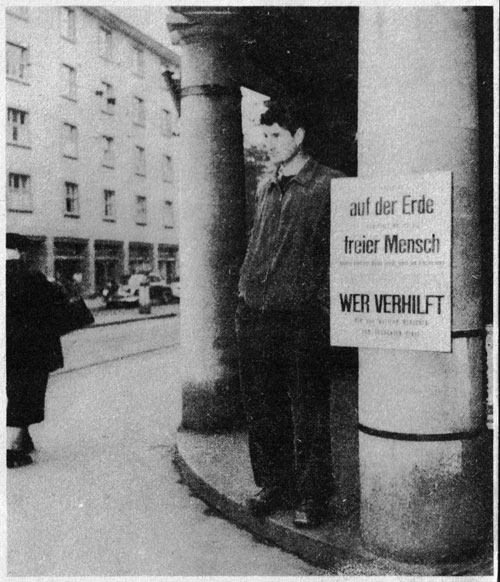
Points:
(287, 113)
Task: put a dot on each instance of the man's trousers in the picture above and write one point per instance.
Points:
(285, 381)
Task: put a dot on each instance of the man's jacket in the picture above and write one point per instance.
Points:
(287, 261)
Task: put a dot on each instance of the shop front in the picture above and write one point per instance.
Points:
(71, 257)
(141, 259)
(167, 262)
(38, 256)
(108, 263)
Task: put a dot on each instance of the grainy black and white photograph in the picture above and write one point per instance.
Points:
(250, 290)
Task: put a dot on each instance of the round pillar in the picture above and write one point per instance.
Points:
(212, 227)
(421, 465)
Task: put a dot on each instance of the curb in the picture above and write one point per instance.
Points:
(321, 547)
(131, 319)
(270, 529)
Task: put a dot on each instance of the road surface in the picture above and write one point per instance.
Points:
(103, 498)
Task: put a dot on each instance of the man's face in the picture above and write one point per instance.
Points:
(281, 145)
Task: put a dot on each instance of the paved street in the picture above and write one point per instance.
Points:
(104, 498)
(101, 344)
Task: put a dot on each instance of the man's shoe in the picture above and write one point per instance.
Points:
(310, 514)
(266, 501)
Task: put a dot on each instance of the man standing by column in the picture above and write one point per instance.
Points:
(282, 325)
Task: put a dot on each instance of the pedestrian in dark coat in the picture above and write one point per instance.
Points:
(36, 311)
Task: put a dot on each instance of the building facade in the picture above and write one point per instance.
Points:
(90, 144)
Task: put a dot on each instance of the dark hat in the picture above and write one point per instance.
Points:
(18, 242)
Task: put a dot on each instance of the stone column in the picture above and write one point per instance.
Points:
(126, 257)
(155, 257)
(90, 275)
(49, 257)
(212, 227)
(422, 496)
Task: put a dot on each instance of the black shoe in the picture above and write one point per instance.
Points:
(17, 459)
(27, 445)
(267, 500)
(310, 514)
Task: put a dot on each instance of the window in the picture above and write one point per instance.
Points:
(175, 127)
(68, 23)
(68, 80)
(16, 58)
(18, 11)
(109, 205)
(72, 199)
(108, 98)
(17, 127)
(138, 61)
(167, 169)
(108, 159)
(166, 122)
(141, 215)
(105, 43)
(70, 140)
(168, 214)
(19, 196)
(139, 111)
(140, 161)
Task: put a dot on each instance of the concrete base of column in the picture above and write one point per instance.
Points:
(424, 501)
(212, 406)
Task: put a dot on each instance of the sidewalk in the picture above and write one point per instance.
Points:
(104, 316)
(103, 498)
(217, 470)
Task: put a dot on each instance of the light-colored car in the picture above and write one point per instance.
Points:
(159, 290)
(175, 286)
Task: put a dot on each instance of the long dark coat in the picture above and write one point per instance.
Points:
(34, 309)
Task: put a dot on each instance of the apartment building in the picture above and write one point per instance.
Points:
(90, 143)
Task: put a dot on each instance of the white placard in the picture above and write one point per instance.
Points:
(390, 262)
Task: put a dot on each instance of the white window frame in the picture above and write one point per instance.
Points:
(70, 140)
(108, 157)
(168, 214)
(167, 122)
(108, 98)
(139, 111)
(167, 168)
(68, 74)
(105, 43)
(18, 127)
(71, 194)
(20, 196)
(68, 23)
(141, 209)
(109, 199)
(139, 61)
(18, 70)
(140, 160)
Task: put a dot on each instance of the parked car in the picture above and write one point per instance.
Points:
(159, 290)
(175, 286)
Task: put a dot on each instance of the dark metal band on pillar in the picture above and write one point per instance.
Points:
(401, 436)
(468, 333)
(212, 90)
(453, 436)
